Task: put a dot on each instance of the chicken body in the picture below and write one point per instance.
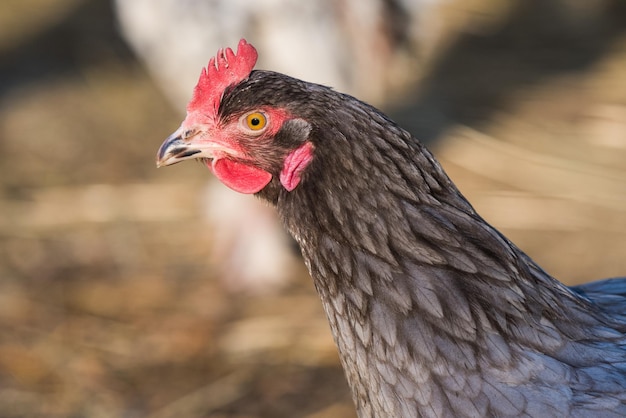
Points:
(434, 312)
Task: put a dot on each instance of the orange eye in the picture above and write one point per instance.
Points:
(256, 121)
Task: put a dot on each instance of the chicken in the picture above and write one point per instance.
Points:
(434, 312)
(353, 45)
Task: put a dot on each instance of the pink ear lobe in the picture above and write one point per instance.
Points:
(294, 164)
(240, 177)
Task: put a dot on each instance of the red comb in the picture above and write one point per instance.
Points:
(225, 69)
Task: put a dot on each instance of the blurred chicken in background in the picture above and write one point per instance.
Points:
(360, 47)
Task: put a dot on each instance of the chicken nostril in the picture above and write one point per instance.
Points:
(187, 134)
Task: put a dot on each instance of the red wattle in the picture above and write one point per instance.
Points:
(240, 177)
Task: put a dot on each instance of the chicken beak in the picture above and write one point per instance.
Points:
(175, 149)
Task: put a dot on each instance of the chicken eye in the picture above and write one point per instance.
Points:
(256, 121)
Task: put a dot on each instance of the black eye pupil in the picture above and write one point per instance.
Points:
(255, 121)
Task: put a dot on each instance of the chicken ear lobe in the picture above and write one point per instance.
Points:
(298, 159)
(294, 165)
(240, 177)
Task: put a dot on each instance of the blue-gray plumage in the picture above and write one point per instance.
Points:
(435, 313)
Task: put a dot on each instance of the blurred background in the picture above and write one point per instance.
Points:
(127, 291)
